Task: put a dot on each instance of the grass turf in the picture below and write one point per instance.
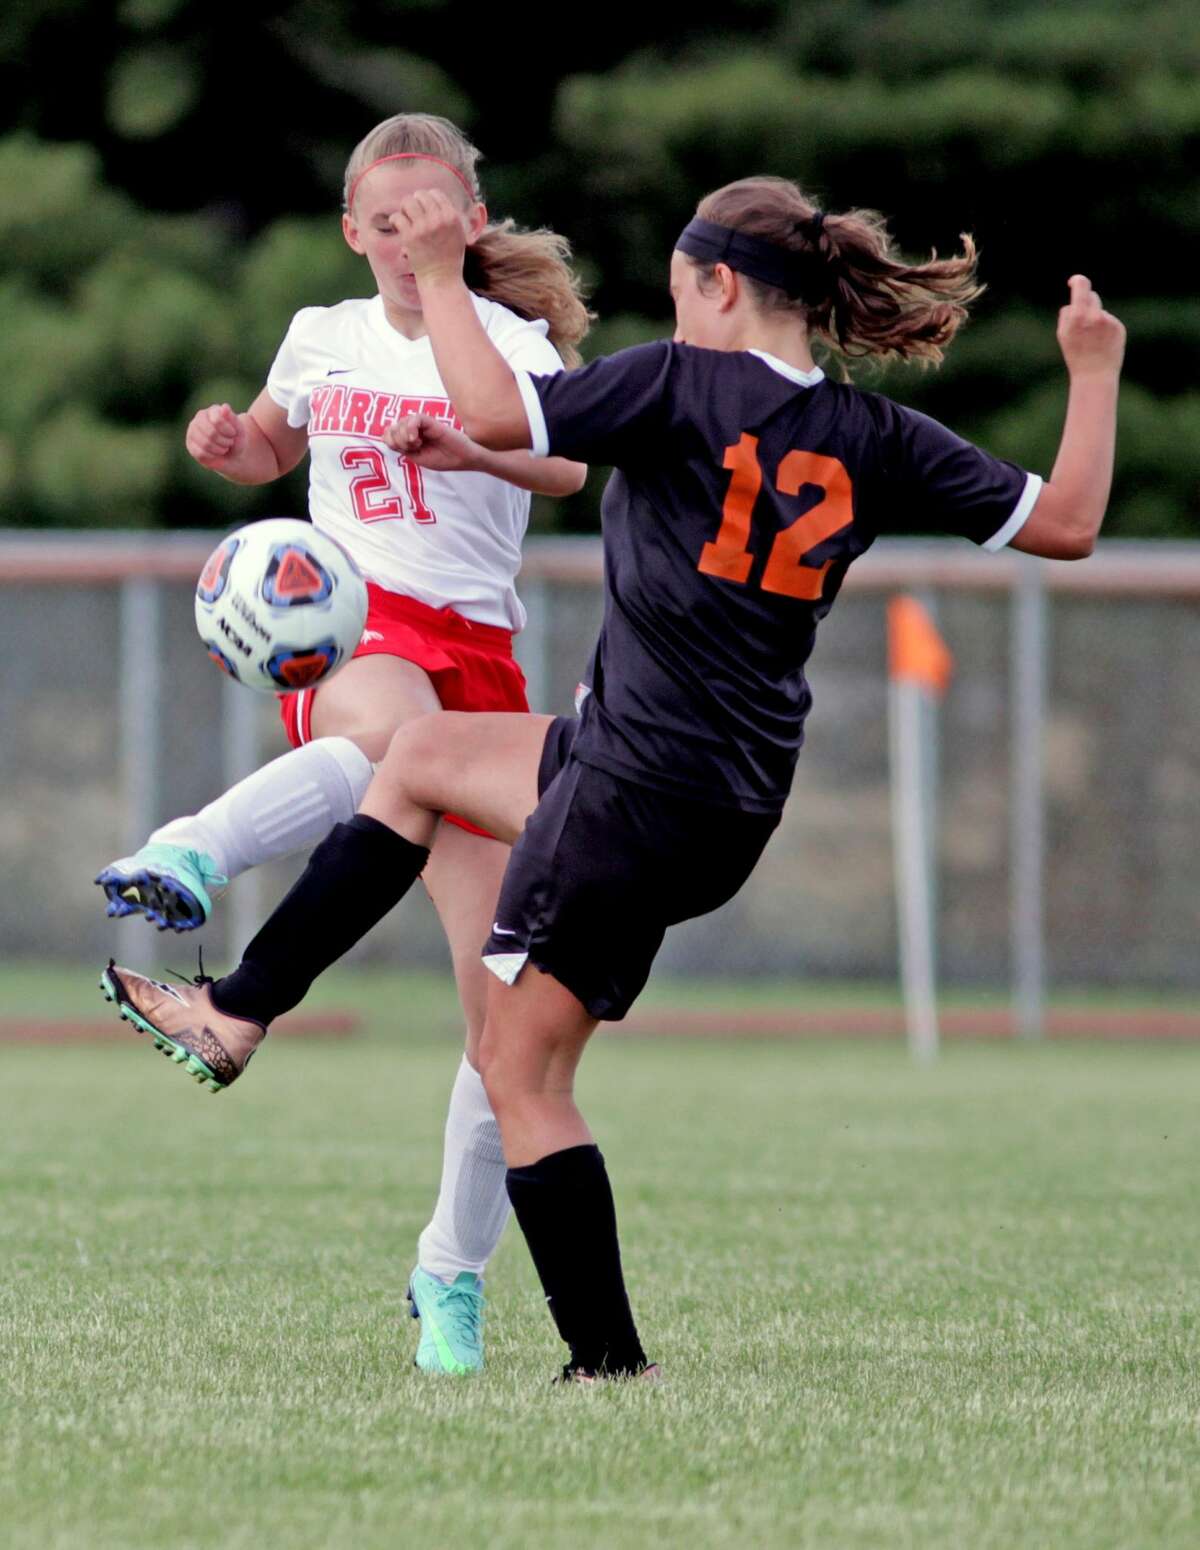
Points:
(947, 1307)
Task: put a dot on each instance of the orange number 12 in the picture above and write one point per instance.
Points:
(728, 555)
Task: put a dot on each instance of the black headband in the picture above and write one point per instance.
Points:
(792, 273)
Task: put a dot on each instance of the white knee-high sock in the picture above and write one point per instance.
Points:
(472, 1205)
(290, 804)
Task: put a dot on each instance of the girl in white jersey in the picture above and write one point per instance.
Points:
(438, 537)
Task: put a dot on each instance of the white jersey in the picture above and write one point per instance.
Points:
(451, 540)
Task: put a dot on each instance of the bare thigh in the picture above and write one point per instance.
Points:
(369, 699)
(482, 765)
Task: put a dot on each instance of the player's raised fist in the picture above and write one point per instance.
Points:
(406, 435)
(215, 435)
(1091, 340)
(433, 232)
(432, 443)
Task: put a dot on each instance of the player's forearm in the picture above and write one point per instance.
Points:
(479, 381)
(255, 462)
(1070, 508)
(541, 475)
(1082, 476)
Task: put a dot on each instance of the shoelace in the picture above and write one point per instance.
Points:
(199, 978)
(463, 1307)
(211, 879)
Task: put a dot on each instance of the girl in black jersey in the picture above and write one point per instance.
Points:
(745, 483)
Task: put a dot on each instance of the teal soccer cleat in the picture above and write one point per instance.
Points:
(451, 1315)
(165, 883)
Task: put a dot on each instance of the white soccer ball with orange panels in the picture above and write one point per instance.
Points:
(280, 606)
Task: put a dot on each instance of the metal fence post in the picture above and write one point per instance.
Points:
(532, 645)
(911, 849)
(1027, 839)
(139, 716)
(240, 756)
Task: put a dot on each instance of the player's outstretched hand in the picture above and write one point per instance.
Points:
(433, 233)
(433, 443)
(1092, 340)
(215, 436)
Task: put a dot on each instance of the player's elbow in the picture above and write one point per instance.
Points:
(1078, 546)
(574, 478)
(497, 432)
(478, 426)
(1062, 544)
(1076, 535)
(1059, 530)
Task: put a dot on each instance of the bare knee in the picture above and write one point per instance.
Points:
(393, 723)
(489, 1062)
(506, 1080)
(521, 1064)
(372, 741)
(422, 758)
(408, 752)
(372, 734)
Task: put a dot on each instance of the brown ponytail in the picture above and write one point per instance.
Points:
(527, 271)
(872, 303)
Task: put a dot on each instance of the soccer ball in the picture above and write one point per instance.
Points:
(280, 606)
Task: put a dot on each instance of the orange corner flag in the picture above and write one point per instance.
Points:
(915, 649)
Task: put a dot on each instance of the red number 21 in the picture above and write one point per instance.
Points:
(728, 555)
(371, 490)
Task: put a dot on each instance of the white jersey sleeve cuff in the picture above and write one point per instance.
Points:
(290, 404)
(1020, 515)
(539, 436)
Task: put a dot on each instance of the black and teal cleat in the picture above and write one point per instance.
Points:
(168, 884)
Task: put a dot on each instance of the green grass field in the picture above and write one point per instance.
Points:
(955, 1307)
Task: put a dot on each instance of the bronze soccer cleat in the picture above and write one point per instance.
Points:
(185, 1024)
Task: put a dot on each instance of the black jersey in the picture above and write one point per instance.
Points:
(743, 490)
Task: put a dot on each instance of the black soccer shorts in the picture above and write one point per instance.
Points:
(603, 867)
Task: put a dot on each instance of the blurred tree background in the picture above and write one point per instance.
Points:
(170, 183)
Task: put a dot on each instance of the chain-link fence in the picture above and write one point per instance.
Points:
(113, 719)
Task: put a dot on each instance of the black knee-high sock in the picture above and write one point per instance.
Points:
(565, 1207)
(352, 880)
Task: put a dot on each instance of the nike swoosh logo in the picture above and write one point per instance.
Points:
(340, 371)
(500, 931)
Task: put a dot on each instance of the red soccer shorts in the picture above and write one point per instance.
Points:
(470, 665)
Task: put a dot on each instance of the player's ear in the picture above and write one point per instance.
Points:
(477, 218)
(350, 232)
(729, 291)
